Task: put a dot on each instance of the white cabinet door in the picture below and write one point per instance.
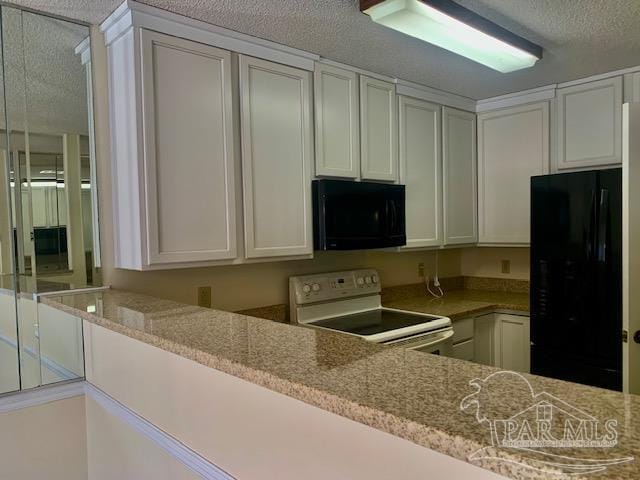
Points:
(420, 171)
(277, 157)
(459, 177)
(484, 336)
(514, 346)
(188, 151)
(590, 124)
(464, 350)
(337, 122)
(378, 129)
(513, 145)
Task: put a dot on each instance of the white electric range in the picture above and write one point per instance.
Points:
(349, 302)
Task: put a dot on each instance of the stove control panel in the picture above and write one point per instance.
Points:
(333, 286)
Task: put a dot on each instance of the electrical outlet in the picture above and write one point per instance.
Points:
(506, 266)
(421, 269)
(204, 297)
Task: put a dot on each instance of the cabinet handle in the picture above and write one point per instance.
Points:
(636, 336)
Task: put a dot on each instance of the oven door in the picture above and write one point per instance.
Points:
(438, 343)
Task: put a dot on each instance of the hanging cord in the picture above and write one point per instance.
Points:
(438, 293)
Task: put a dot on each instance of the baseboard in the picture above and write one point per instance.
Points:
(40, 396)
(190, 459)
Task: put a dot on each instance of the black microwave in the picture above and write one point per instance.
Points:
(351, 215)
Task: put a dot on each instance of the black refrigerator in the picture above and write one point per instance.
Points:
(576, 277)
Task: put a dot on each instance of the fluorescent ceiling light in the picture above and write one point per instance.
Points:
(450, 26)
(45, 183)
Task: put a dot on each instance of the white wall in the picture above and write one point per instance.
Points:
(9, 380)
(116, 451)
(487, 262)
(44, 442)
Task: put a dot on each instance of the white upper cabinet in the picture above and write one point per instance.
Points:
(188, 145)
(459, 177)
(277, 157)
(173, 156)
(337, 122)
(590, 124)
(378, 129)
(513, 146)
(420, 170)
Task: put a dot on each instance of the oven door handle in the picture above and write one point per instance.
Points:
(441, 338)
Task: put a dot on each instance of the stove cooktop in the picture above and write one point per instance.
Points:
(374, 322)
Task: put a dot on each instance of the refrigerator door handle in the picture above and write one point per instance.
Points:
(603, 222)
(592, 234)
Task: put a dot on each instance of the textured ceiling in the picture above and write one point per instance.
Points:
(45, 81)
(579, 37)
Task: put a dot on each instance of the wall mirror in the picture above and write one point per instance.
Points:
(49, 237)
(47, 72)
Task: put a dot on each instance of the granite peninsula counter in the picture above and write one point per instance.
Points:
(411, 395)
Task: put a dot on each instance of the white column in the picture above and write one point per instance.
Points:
(73, 194)
(6, 232)
(630, 242)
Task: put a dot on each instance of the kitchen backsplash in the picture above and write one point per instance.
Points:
(240, 287)
(280, 312)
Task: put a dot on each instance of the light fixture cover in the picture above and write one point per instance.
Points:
(450, 26)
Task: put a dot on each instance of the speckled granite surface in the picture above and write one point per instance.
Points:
(458, 304)
(409, 394)
(277, 313)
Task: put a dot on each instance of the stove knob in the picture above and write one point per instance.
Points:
(374, 278)
(367, 280)
(306, 289)
(316, 287)
(360, 281)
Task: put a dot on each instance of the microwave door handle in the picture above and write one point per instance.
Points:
(603, 217)
(393, 215)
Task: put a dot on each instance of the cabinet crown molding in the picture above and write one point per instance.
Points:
(133, 14)
(532, 95)
(430, 94)
(84, 50)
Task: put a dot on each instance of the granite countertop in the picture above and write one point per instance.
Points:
(30, 286)
(409, 394)
(459, 304)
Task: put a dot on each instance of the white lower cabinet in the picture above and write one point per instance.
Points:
(464, 350)
(513, 345)
(421, 171)
(463, 339)
(277, 153)
(513, 146)
(484, 336)
(503, 340)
